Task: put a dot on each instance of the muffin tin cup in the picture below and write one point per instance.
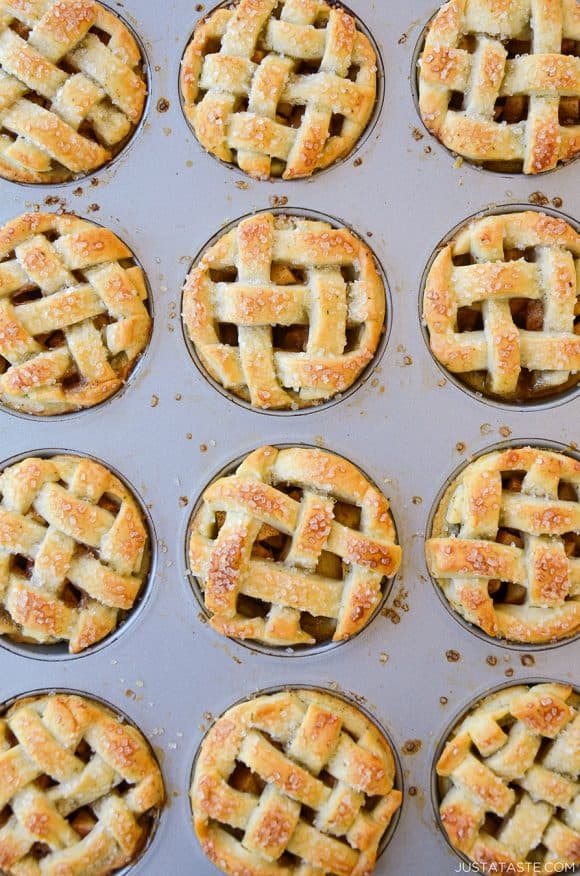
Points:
(369, 128)
(372, 366)
(438, 751)
(59, 651)
(139, 865)
(471, 628)
(551, 401)
(399, 783)
(260, 647)
(139, 363)
(433, 140)
(170, 432)
(129, 142)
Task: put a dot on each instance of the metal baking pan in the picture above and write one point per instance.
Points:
(171, 431)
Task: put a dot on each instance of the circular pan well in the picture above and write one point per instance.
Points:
(295, 333)
(126, 618)
(527, 647)
(436, 784)
(506, 168)
(104, 136)
(476, 388)
(356, 146)
(66, 242)
(153, 818)
(350, 703)
(326, 644)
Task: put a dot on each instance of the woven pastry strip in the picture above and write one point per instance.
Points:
(324, 568)
(307, 304)
(511, 776)
(522, 285)
(75, 782)
(296, 782)
(506, 548)
(67, 522)
(517, 67)
(72, 316)
(289, 90)
(71, 88)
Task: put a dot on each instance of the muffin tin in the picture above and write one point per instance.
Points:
(408, 427)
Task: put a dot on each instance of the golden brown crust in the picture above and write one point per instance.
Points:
(290, 276)
(67, 522)
(70, 98)
(290, 741)
(513, 107)
(241, 100)
(73, 320)
(515, 260)
(324, 570)
(504, 550)
(79, 818)
(509, 780)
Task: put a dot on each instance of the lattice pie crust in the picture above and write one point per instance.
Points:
(279, 87)
(73, 315)
(293, 548)
(499, 81)
(505, 546)
(284, 311)
(79, 788)
(74, 551)
(298, 782)
(509, 781)
(72, 88)
(502, 306)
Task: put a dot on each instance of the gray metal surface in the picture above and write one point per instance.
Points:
(170, 431)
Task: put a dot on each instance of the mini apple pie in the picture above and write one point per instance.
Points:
(505, 545)
(502, 306)
(73, 314)
(298, 782)
(72, 88)
(285, 312)
(279, 87)
(74, 551)
(508, 781)
(499, 82)
(80, 789)
(293, 548)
